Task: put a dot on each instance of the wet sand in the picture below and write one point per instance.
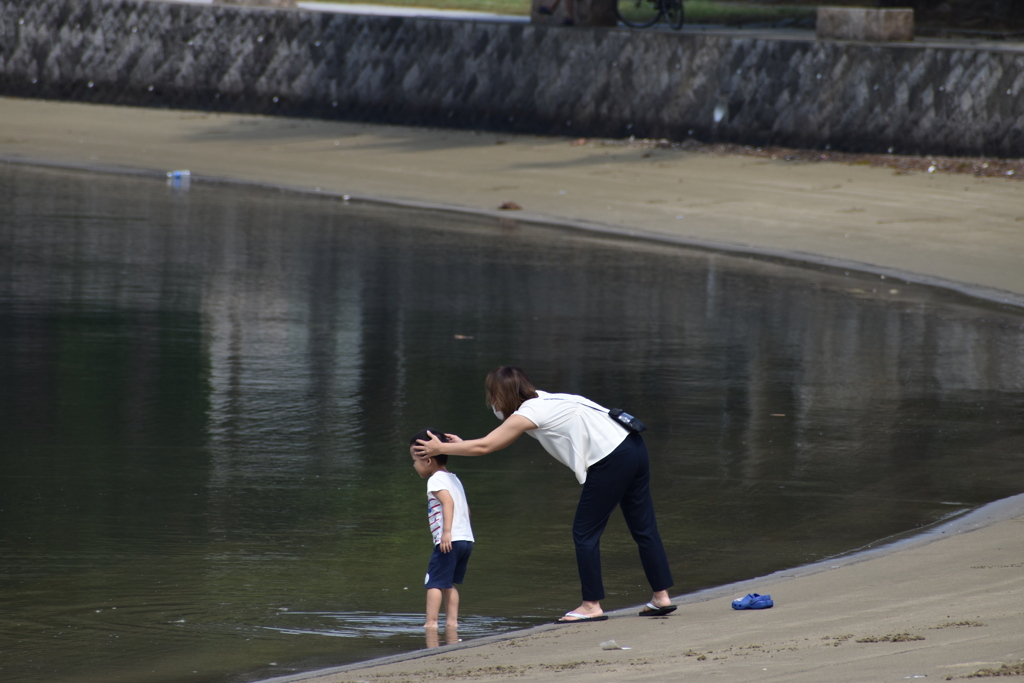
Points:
(945, 605)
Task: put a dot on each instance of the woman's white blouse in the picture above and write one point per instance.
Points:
(574, 430)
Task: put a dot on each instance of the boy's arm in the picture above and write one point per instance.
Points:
(447, 513)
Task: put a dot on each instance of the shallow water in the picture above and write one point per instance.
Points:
(206, 395)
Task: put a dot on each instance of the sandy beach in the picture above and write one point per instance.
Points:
(945, 605)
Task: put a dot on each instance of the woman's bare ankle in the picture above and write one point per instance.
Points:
(661, 599)
(590, 608)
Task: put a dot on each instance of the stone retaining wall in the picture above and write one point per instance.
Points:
(517, 77)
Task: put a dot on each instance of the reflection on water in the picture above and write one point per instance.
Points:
(206, 395)
(376, 625)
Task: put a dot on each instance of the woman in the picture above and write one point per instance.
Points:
(610, 461)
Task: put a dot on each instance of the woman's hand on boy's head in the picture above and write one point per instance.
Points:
(452, 438)
(428, 448)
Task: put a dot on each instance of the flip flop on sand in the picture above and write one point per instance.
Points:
(576, 617)
(652, 610)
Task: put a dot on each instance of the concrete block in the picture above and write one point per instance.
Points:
(873, 25)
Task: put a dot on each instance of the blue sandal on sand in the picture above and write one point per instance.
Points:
(753, 601)
(577, 618)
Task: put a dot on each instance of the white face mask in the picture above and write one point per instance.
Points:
(498, 414)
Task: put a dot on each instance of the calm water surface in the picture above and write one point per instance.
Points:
(206, 396)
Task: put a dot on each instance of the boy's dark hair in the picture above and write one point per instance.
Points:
(424, 435)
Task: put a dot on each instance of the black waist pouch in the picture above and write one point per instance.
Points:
(626, 420)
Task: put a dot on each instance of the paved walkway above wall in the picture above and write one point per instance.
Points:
(508, 76)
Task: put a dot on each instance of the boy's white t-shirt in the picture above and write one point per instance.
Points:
(461, 529)
(573, 429)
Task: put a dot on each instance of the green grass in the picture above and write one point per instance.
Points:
(735, 14)
(697, 11)
(514, 7)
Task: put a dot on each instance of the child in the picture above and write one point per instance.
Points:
(448, 515)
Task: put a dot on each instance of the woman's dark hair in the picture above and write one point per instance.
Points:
(508, 387)
(424, 435)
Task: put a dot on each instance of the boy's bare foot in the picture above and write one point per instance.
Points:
(451, 625)
(431, 625)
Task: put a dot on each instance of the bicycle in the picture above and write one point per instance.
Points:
(645, 13)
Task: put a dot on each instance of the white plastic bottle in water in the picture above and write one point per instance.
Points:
(179, 179)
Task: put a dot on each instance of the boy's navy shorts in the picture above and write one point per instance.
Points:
(447, 569)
